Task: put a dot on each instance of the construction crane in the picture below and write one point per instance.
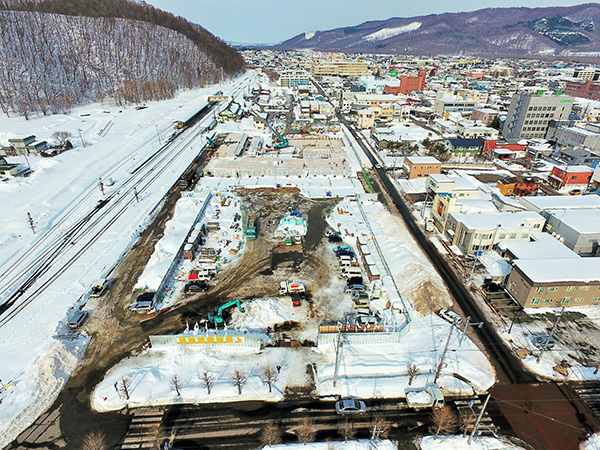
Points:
(216, 317)
(283, 141)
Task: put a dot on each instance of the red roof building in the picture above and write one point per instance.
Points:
(570, 178)
(408, 84)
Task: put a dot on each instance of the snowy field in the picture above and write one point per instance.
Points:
(37, 351)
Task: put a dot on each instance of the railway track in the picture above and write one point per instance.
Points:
(47, 266)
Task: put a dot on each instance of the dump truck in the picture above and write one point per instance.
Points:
(429, 396)
(290, 287)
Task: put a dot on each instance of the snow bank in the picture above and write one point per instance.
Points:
(363, 444)
(460, 443)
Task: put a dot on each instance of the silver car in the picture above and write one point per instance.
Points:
(350, 406)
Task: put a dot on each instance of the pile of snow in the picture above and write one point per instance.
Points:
(386, 33)
(461, 443)
(593, 443)
(363, 444)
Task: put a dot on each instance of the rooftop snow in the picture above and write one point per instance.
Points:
(580, 220)
(581, 270)
(544, 246)
(489, 221)
(561, 202)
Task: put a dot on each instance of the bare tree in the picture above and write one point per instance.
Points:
(412, 371)
(466, 419)
(306, 431)
(347, 431)
(61, 137)
(208, 381)
(176, 384)
(270, 435)
(239, 379)
(124, 386)
(384, 426)
(94, 440)
(443, 421)
(269, 376)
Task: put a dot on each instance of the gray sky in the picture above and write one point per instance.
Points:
(272, 21)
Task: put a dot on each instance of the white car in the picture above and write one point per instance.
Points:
(350, 406)
(450, 316)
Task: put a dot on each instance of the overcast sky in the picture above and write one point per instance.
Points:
(272, 21)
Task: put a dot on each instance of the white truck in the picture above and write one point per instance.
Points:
(290, 287)
(430, 396)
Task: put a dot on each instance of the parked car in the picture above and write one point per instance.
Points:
(200, 286)
(341, 247)
(349, 253)
(354, 288)
(354, 280)
(296, 300)
(350, 406)
(146, 296)
(143, 306)
(490, 286)
(78, 319)
(450, 316)
(334, 238)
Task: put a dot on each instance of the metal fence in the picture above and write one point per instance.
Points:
(364, 338)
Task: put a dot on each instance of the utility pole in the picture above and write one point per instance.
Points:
(550, 334)
(137, 199)
(101, 185)
(80, 137)
(515, 317)
(487, 399)
(338, 351)
(439, 367)
(158, 134)
(467, 323)
(31, 224)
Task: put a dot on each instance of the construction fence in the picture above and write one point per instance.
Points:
(366, 337)
(254, 341)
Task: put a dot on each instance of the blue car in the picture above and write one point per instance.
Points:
(340, 248)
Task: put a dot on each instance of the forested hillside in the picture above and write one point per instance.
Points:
(58, 53)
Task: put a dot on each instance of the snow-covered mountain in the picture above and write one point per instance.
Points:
(58, 53)
(561, 31)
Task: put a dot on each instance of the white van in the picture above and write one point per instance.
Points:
(352, 271)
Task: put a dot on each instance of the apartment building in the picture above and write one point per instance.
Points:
(530, 114)
(294, 79)
(339, 67)
(538, 283)
(442, 106)
(408, 84)
(480, 232)
(578, 137)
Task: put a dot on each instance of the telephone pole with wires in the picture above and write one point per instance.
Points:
(439, 367)
(31, 223)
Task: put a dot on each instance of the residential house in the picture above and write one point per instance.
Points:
(484, 115)
(421, 166)
(570, 178)
(464, 147)
(518, 185)
(366, 118)
(22, 146)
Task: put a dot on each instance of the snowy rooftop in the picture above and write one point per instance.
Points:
(422, 160)
(561, 202)
(476, 205)
(554, 270)
(544, 247)
(580, 220)
(489, 221)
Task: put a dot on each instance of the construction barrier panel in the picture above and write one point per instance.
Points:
(219, 338)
